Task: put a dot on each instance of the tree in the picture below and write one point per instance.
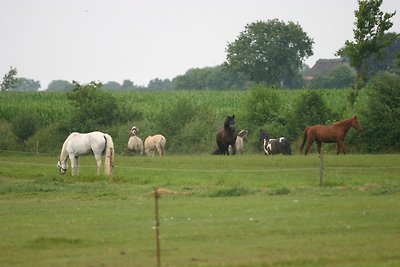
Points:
(127, 85)
(10, 80)
(59, 86)
(369, 39)
(25, 85)
(158, 84)
(111, 85)
(217, 77)
(267, 52)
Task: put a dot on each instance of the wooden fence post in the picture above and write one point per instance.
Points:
(321, 168)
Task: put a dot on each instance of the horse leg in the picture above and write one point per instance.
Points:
(319, 144)
(98, 161)
(234, 150)
(73, 159)
(310, 141)
(159, 149)
(340, 146)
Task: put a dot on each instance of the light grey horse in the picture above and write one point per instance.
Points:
(135, 144)
(153, 143)
(78, 144)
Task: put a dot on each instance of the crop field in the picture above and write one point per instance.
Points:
(249, 210)
(53, 106)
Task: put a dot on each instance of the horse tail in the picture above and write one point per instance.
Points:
(161, 146)
(109, 158)
(304, 139)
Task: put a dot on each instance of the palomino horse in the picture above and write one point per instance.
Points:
(78, 144)
(334, 133)
(135, 144)
(240, 139)
(155, 142)
(226, 137)
(275, 146)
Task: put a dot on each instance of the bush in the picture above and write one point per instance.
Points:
(8, 141)
(381, 115)
(309, 109)
(25, 125)
(47, 139)
(262, 106)
(186, 125)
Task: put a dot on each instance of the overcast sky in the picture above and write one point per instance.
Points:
(139, 40)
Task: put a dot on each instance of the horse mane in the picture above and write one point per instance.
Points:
(345, 122)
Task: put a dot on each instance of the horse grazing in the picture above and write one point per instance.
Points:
(334, 133)
(240, 139)
(155, 142)
(275, 146)
(78, 144)
(135, 144)
(226, 137)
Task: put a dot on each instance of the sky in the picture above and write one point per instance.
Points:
(139, 40)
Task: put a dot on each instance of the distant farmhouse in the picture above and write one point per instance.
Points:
(323, 67)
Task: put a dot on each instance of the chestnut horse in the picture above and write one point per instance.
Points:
(226, 137)
(334, 133)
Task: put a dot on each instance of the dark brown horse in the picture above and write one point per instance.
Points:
(226, 137)
(334, 133)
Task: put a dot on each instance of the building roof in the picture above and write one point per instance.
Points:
(323, 67)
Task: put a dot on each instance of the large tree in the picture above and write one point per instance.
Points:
(269, 51)
(369, 39)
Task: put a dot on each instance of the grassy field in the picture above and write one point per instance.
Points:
(249, 210)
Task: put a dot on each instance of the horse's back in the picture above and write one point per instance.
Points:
(135, 143)
(323, 133)
(82, 143)
(159, 138)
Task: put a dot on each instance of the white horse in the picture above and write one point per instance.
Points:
(135, 144)
(240, 139)
(83, 143)
(155, 142)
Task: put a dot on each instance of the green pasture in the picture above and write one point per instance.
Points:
(249, 210)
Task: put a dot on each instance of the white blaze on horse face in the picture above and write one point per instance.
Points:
(134, 130)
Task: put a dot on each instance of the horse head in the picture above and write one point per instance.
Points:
(62, 166)
(244, 134)
(356, 123)
(230, 123)
(264, 135)
(134, 130)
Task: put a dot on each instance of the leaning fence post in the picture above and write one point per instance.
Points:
(321, 168)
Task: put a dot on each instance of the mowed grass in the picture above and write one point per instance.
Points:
(249, 210)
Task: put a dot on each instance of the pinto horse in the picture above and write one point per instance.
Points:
(274, 146)
(240, 139)
(334, 133)
(226, 137)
